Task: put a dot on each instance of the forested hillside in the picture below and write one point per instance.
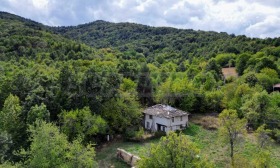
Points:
(94, 79)
(166, 42)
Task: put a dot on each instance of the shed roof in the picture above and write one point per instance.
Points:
(277, 85)
(166, 111)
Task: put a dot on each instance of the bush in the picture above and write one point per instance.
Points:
(276, 135)
(139, 134)
(132, 134)
(159, 134)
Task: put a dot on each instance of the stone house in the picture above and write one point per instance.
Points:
(164, 118)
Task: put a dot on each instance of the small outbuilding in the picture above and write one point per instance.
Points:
(165, 118)
(276, 87)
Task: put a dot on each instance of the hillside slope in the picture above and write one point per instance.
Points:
(153, 40)
(20, 37)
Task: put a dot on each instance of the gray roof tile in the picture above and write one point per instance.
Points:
(166, 111)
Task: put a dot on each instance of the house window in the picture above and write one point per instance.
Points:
(148, 125)
(172, 119)
(150, 116)
(181, 118)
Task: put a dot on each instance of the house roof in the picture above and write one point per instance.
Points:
(277, 85)
(166, 111)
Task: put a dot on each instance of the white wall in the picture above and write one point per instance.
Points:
(177, 121)
(167, 122)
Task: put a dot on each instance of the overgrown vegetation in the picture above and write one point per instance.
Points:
(209, 143)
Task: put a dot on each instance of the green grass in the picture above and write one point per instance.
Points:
(207, 140)
(216, 151)
(106, 157)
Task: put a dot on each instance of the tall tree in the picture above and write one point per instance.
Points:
(99, 84)
(11, 122)
(215, 68)
(263, 136)
(173, 151)
(122, 113)
(50, 148)
(81, 123)
(241, 63)
(231, 129)
(5, 145)
(38, 112)
(144, 86)
(257, 109)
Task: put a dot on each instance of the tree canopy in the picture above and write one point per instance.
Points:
(173, 151)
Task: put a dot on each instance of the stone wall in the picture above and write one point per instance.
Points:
(127, 157)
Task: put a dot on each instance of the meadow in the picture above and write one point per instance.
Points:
(207, 140)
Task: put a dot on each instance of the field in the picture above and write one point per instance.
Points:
(207, 140)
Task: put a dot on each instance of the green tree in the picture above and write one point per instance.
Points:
(234, 94)
(224, 59)
(38, 112)
(265, 62)
(206, 81)
(99, 84)
(79, 156)
(241, 63)
(81, 122)
(178, 92)
(128, 85)
(192, 71)
(231, 129)
(262, 157)
(251, 79)
(5, 145)
(267, 78)
(68, 95)
(257, 108)
(214, 100)
(213, 66)
(11, 122)
(173, 151)
(263, 136)
(122, 113)
(144, 86)
(49, 148)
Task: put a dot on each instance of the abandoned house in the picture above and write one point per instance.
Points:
(164, 118)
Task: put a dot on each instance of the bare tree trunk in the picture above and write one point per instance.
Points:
(231, 152)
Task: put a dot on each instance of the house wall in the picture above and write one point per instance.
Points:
(147, 119)
(176, 125)
(153, 122)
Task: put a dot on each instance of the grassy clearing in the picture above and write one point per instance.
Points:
(213, 149)
(207, 140)
(209, 122)
(106, 157)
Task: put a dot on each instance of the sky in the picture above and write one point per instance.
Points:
(253, 18)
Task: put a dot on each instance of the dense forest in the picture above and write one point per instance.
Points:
(74, 85)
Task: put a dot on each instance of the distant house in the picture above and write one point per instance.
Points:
(165, 118)
(276, 87)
